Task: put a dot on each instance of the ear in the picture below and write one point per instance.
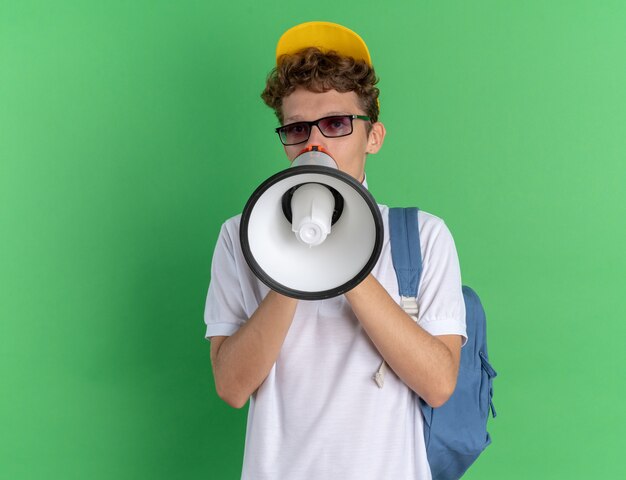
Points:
(376, 138)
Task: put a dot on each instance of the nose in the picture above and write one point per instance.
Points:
(316, 137)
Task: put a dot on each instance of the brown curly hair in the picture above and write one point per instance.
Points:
(319, 72)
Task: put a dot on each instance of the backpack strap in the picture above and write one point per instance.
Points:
(406, 255)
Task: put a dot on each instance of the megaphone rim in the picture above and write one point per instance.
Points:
(299, 294)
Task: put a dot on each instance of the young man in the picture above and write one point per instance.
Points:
(307, 366)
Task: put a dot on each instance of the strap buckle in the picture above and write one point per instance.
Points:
(409, 305)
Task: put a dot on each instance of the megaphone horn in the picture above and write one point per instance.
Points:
(311, 231)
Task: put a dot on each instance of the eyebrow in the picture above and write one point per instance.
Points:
(299, 118)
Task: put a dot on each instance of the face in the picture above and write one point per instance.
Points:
(350, 151)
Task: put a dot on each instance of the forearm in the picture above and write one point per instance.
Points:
(242, 361)
(424, 362)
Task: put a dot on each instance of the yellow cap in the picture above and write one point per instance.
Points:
(325, 36)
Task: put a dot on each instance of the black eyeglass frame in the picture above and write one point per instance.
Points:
(315, 123)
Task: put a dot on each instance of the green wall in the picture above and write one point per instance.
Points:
(130, 130)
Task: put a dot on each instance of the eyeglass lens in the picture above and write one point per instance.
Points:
(330, 127)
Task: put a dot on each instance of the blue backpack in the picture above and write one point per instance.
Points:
(455, 433)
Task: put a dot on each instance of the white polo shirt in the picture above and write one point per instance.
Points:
(319, 414)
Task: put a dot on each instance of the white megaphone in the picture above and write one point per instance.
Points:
(311, 231)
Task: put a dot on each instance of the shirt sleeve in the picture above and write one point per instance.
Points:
(440, 296)
(225, 309)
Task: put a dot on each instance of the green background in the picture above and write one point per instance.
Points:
(130, 130)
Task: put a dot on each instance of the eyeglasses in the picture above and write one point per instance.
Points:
(330, 127)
